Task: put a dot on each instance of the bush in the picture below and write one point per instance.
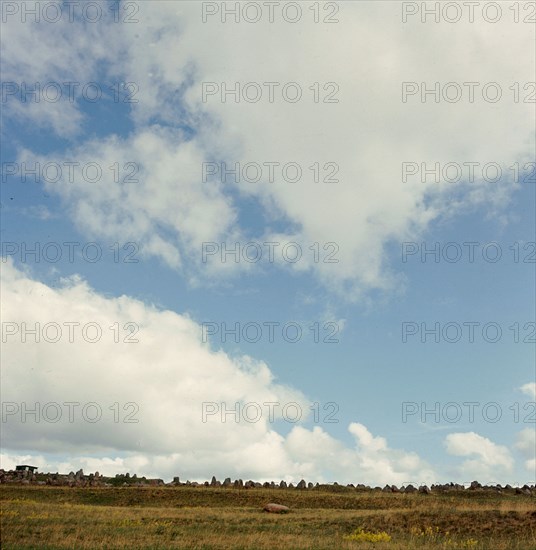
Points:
(361, 535)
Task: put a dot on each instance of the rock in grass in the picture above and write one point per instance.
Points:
(276, 508)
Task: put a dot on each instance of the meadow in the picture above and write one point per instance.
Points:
(46, 518)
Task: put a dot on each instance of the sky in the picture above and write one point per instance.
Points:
(269, 240)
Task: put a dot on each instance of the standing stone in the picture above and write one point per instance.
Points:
(239, 484)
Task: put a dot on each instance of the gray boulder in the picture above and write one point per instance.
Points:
(273, 508)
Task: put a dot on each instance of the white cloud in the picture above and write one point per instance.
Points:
(369, 133)
(39, 54)
(160, 206)
(40, 212)
(168, 374)
(491, 460)
(529, 389)
(526, 444)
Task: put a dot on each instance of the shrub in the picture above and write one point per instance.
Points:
(361, 535)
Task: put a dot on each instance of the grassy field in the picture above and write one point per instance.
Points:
(45, 518)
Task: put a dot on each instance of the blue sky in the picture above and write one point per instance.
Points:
(170, 214)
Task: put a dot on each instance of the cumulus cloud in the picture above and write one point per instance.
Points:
(369, 133)
(526, 444)
(150, 394)
(490, 459)
(529, 389)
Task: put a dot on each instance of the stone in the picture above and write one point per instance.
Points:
(273, 508)
(425, 489)
(301, 484)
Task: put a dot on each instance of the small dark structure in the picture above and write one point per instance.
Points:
(25, 468)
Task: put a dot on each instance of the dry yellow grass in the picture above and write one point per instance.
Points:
(53, 518)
